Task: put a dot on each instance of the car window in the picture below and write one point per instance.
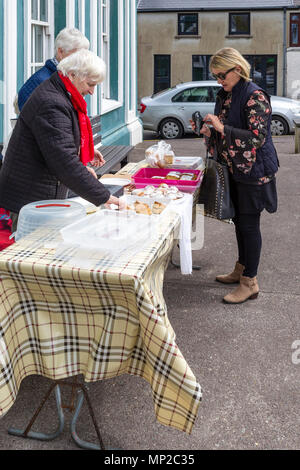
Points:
(214, 91)
(193, 95)
(161, 92)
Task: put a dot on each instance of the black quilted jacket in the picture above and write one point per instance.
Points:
(42, 160)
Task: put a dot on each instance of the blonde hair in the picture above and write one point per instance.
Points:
(226, 58)
(84, 64)
(70, 39)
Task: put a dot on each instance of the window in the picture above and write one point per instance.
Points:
(39, 34)
(295, 30)
(162, 72)
(193, 95)
(264, 71)
(200, 67)
(187, 24)
(239, 23)
(104, 38)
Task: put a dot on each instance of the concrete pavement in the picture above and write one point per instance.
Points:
(241, 354)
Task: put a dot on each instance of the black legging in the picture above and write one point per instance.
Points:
(247, 229)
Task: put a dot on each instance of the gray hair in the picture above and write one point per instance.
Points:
(84, 64)
(69, 39)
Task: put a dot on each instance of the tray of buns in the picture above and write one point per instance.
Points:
(146, 205)
(184, 180)
(162, 191)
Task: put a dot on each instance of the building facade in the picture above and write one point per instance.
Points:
(27, 32)
(176, 40)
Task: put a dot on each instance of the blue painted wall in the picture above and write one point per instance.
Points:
(114, 130)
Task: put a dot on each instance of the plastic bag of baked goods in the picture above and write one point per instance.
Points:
(159, 155)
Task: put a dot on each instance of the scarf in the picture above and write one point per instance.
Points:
(86, 135)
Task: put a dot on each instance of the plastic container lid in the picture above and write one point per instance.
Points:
(110, 230)
(51, 214)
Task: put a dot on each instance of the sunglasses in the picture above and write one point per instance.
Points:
(222, 76)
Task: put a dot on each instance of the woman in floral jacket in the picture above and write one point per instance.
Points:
(240, 137)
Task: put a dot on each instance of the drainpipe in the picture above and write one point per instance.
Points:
(284, 54)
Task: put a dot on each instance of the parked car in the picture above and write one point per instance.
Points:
(168, 112)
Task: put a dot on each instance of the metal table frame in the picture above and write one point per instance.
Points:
(82, 393)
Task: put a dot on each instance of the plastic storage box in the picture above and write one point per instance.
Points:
(188, 163)
(144, 177)
(110, 230)
(50, 214)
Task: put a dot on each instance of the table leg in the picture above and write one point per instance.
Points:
(27, 433)
(39, 435)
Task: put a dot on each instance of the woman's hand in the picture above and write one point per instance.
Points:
(205, 130)
(120, 202)
(98, 159)
(92, 171)
(215, 122)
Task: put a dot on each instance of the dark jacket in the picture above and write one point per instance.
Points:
(266, 163)
(34, 81)
(42, 157)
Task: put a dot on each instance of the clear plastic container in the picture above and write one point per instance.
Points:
(49, 214)
(111, 230)
(186, 163)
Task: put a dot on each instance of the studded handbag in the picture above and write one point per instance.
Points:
(215, 191)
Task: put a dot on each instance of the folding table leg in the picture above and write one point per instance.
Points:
(50, 436)
(39, 435)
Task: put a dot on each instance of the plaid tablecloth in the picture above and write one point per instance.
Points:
(60, 320)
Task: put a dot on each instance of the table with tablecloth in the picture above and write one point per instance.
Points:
(59, 319)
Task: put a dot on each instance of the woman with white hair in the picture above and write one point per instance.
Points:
(67, 41)
(52, 141)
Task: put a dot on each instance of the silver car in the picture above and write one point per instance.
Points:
(168, 112)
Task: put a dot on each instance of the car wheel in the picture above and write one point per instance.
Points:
(171, 129)
(279, 126)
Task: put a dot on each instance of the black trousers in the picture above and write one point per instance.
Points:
(248, 235)
(249, 201)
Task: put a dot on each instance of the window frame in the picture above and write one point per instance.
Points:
(298, 24)
(239, 33)
(178, 24)
(30, 65)
(104, 45)
(155, 77)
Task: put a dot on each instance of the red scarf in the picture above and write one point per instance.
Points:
(86, 135)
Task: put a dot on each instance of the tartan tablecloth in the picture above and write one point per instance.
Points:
(60, 320)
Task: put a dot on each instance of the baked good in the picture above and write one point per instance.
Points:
(142, 208)
(158, 207)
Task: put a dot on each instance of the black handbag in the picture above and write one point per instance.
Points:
(215, 191)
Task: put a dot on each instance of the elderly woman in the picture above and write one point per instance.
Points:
(52, 141)
(239, 136)
(67, 41)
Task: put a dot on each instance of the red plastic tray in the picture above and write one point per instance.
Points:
(143, 177)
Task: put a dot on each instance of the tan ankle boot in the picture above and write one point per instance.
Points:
(233, 277)
(248, 289)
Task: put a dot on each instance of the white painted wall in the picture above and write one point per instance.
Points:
(293, 73)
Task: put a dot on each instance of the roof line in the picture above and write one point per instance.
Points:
(171, 10)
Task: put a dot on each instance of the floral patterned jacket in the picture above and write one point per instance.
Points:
(242, 144)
